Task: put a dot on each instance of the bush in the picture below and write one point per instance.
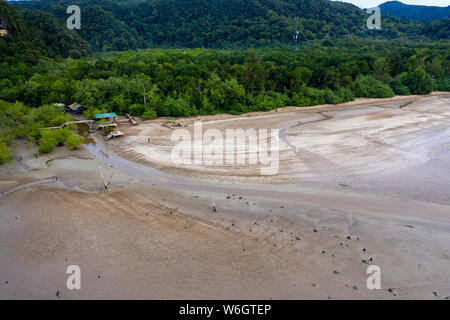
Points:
(50, 138)
(91, 112)
(268, 101)
(47, 116)
(59, 136)
(47, 143)
(418, 81)
(443, 84)
(176, 107)
(300, 100)
(4, 152)
(331, 97)
(345, 95)
(308, 97)
(74, 140)
(369, 87)
(398, 87)
(137, 109)
(149, 114)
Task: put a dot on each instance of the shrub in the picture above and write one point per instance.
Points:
(443, 84)
(345, 95)
(418, 81)
(331, 97)
(369, 87)
(398, 87)
(59, 136)
(137, 109)
(149, 114)
(4, 152)
(176, 107)
(91, 112)
(47, 144)
(74, 140)
(50, 138)
(269, 101)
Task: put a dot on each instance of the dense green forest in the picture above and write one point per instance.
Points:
(415, 12)
(33, 37)
(43, 63)
(35, 34)
(111, 25)
(187, 82)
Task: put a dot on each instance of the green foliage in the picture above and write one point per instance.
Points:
(183, 82)
(137, 109)
(345, 95)
(175, 107)
(19, 121)
(416, 12)
(443, 84)
(74, 140)
(381, 70)
(149, 114)
(418, 81)
(268, 100)
(92, 111)
(48, 140)
(51, 138)
(398, 87)
(300, 77)
(337, 60)
(35, 34)
(367, 86)
(4, 150)
(117, 25)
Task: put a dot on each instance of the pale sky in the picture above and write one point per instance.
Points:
(374, 3)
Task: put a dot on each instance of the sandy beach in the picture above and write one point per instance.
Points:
(359, 184)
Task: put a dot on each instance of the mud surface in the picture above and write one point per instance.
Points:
(366, 183)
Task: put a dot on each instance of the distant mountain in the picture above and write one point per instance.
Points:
(34, 34)
(415, 12)
(111, 25)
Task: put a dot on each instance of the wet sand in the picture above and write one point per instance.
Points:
(366, 184)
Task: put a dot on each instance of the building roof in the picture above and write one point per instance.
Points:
(75, 106)
(106, 115)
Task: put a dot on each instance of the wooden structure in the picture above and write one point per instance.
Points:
(93, 126)
(75, 108)
(132, 120)
(110, 115)
(113, 135)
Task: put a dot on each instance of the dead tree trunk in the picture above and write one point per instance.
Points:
(105, 182)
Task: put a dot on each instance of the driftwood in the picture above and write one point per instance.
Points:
(105, 182)
(174, 126)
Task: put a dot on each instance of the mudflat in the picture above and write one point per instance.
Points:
(359, 184)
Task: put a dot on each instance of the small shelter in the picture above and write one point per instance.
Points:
(75, 108)
(106, 115)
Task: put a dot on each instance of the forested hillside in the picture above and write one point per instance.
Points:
(121, 25)
(34, 34)
(414, 12)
